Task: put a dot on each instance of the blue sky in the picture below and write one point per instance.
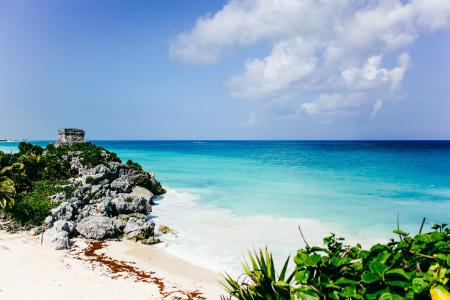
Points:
(251, 69)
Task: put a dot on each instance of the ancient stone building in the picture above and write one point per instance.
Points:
(69, 136)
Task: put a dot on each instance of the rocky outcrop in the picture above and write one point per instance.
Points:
(109, 200)
(98, 227)
(58, 235)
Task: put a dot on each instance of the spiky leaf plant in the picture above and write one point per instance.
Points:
(260, 280)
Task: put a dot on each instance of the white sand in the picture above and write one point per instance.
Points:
(31, 271)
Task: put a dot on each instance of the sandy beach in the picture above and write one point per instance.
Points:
(109, 270)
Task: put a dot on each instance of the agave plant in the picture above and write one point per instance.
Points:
(260, 280)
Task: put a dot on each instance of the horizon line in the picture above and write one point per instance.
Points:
(239, 140)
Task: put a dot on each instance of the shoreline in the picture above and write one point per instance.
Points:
(32, 270)
(218, 239)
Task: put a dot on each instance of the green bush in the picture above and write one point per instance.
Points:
(90, 155)
(134, 165)
(148, 181)
(32, 208)
(56, 161)
(409, 268)
(55, 168)
(89, 179)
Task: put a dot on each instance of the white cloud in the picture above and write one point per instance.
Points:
(289, 62)
(377, 106)
(331, 105)
(252, 120)
(371, 75)
(333, 49)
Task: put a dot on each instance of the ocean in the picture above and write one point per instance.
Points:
(226, 197)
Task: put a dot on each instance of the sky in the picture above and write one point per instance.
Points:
(204, 69)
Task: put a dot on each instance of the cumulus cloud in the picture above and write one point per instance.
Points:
(377, 106)
(289, 62)
(252, 120)
(332, 104)
(371, 75)
(340, 51)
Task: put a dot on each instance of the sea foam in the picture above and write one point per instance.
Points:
(218, 239)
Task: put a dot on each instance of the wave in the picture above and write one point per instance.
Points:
(218, 239)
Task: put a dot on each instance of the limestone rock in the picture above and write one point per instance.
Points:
(57, 238)
(110, 199)
(48, 220)
(139, 228)
(62, 225)
(128, 203)
(142, 192)
(98, 227)
(121, 185)
(64, 211)
(61, 196)
(164, 229)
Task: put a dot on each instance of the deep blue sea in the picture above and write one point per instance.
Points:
(227, 196)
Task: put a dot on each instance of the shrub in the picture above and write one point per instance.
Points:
(148, 181)
(55, 168)
(25, 148)
(32, 208)
(409, 268)
(90, 155)
(134, 165)
(89, 179)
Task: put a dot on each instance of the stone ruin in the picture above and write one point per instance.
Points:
(69, 136)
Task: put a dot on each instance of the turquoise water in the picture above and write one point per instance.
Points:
(354, 183)
(360, 186)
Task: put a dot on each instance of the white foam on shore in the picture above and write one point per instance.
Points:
(218, 239)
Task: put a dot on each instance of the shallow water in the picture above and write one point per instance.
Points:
(228, 196)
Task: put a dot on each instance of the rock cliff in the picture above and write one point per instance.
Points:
(109, 200)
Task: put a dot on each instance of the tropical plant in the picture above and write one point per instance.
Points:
(7, 187)
(260, 280)
(32, 208)
(409, 268)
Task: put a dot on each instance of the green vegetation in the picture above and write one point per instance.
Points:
(28, 178)
(34, 163)
(89, 179)
(32, 208)
(134, 165)
(263, 280)
(7, 187)
(147, 180)
(409, 268)
(90, 156)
